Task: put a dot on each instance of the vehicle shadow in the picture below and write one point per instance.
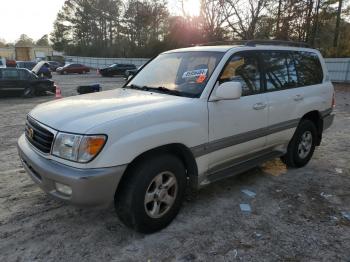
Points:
(19, 94)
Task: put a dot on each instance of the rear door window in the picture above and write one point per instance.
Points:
(23, 75)
(280, 71)
(10, 75)
(309, 68)
(244, 68)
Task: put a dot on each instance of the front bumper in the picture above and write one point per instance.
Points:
(90, 187)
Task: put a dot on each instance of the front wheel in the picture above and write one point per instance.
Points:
(302, 145)
(150, 196)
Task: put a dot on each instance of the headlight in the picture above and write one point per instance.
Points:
(78, 148)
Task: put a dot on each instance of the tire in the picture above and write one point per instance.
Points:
(300, 148)
(28, 92)
(140, 213)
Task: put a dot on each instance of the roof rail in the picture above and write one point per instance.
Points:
(223, 42)
(276, 42)
(255, 43)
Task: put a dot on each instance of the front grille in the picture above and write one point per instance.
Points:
(38, 136)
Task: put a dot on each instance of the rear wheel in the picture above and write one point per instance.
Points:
(28, 92)
(302, 146)
(151, 195)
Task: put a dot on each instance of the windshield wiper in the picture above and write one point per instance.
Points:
(166, 90)
(160, 89)
(134, 87)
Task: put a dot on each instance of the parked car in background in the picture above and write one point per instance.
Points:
(131, 72)
(2, 62)
(26, 64)
(189, 117)
(54, 65)
(42, 70)
(116, 69)
(24, 80)
(11, 63)
(73, 68)
(57, 58)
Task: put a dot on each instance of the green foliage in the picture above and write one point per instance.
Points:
(24, 40)
(144, 28)
(43, 41)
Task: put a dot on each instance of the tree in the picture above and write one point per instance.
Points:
(25, 40)
(243, 17)
(43, 41)
(143, 28)
(2, 42)
(336, 31)
(213, 19)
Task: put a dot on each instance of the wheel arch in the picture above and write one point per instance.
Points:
(179, 150)
(315, 117)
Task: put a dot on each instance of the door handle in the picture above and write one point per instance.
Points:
(259, 106)
(298, 98)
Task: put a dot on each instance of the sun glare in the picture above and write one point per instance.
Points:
(191, 7)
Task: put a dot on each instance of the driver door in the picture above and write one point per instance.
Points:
(236, 127)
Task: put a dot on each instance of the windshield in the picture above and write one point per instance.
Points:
(181, 73)
(114, 65)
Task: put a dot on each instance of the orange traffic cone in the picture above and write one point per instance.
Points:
(58, 92)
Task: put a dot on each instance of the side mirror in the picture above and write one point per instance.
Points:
(228, 91)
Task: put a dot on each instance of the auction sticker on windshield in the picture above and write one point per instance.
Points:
(194, 73)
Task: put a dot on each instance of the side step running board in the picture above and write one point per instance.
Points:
(242, 165)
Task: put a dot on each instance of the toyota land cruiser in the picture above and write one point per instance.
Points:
(188, 118)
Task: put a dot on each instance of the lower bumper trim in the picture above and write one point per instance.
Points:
(90, 187)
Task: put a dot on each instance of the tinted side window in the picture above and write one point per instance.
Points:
(244, 68)
(280, 72)
(309, 68)
(10, 75)
(23, 75)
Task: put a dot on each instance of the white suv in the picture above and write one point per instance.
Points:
(190, 117)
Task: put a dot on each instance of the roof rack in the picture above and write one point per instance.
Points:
(276, 42)
(257, 42)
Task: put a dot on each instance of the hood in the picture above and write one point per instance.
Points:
(36, 69)
(80, 113)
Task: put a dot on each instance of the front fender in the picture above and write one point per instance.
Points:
(126, 148)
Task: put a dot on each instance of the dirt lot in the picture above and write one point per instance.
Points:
(296, 214)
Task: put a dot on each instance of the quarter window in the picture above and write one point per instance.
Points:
(309, 68)
(280, 72)
(243, 68)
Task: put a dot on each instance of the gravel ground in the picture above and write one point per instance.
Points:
(296, 214)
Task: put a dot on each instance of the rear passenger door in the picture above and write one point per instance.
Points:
(284, 98)
(316, 94)
(10, 79)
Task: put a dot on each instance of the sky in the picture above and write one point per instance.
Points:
(31, 17)
(35, 17)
